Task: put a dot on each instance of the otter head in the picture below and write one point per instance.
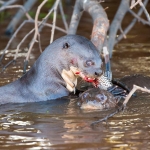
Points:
(96, 98)
(82, 59)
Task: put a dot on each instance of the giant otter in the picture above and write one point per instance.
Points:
(55, 72)
(107, 95)
(96, 98)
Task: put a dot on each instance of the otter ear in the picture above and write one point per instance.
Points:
(66, 45)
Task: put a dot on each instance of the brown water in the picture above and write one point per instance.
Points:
(62, 124)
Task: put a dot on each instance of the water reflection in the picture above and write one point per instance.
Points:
(134, 58)
(14, 133)
(62, 125)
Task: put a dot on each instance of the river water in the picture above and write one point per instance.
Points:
(62, 124)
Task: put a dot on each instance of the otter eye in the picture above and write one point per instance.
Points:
(89, 63)
(66, 46)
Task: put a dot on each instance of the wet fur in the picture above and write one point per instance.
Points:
(44, 81)
(137, 79)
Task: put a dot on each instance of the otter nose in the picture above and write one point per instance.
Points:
(98, 72)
